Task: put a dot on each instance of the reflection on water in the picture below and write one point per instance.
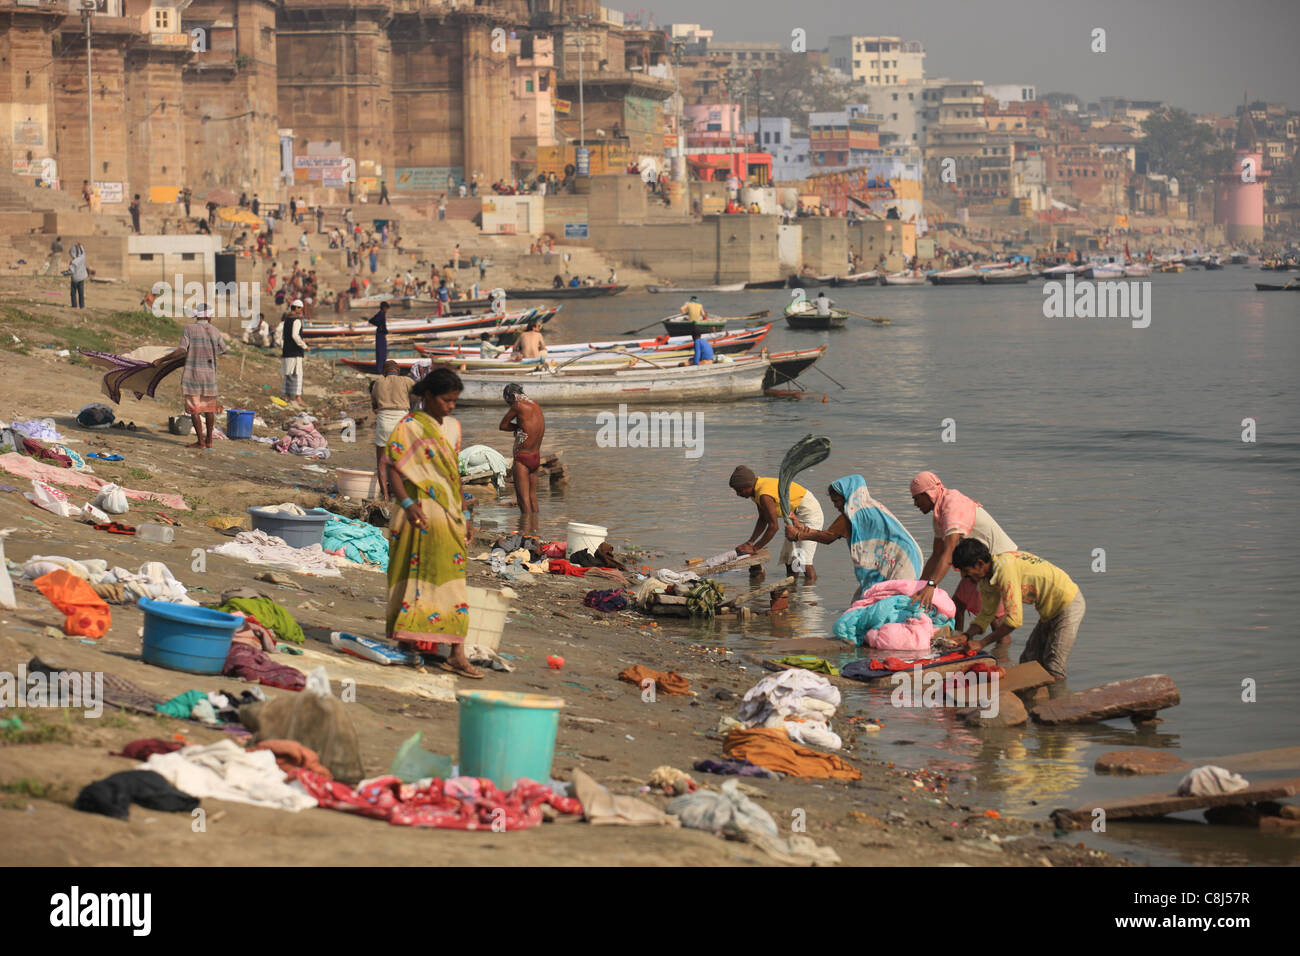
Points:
(1075, 434)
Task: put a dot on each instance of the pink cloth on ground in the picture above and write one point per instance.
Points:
(915, 635)
(942, 602)
(17, 464)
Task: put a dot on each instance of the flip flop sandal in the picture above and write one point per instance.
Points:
(114, 528)
(461, 673)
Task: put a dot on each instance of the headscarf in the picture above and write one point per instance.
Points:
(879, 545)
(953, 511)
(742, 478)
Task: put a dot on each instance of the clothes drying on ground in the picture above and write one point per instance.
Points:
(155, 581)
(890, 602)
(462, 803)
(614, 599)
(879, 545)
(95, 415)
(478, 459)
(670, 683)
(224, 771)
(146, 747)
(253, 664)
(118, 691)
(798, 700)
(269, 614)
(734, 768)
(182, 705)
(258, 547)
(42, 430)
(600, 807)
(34, 449)
(85, 612)
(114, 795)
(291, 755)
(303, 439)
(25, 467)
(358, 541)
(771, 747)
(561, 566)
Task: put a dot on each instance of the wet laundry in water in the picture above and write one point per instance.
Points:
(670, 683)
(114, 795)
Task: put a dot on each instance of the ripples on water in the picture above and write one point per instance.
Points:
(1075, 434)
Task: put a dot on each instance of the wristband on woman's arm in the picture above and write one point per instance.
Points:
(406, 503)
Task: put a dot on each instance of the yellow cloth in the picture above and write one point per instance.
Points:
(1019, 576)
(693, 311)
(772, 748)
(767, 486)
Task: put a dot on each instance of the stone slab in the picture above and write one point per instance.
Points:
(1159, 804)
(1140, 762)
(1024, 677)
(1011, 713)
(1125, 698)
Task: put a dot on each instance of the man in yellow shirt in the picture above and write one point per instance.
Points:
(798, 556)
(693, 310)
(1016, 577)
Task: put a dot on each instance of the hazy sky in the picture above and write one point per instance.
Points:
(1196, 54)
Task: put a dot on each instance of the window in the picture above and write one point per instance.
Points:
(188, 256)
(162, 20)
(895, 97)
(146, 257)
(776, 137)
(528, 86)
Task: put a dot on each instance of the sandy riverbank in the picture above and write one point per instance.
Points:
(885, 818)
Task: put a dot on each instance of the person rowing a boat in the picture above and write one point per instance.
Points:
(823, 303)
(798, 556)
(526, 420)
(694, 311)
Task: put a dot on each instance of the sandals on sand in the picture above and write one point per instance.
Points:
(469, 672)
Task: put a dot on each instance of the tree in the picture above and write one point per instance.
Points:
(1179, 146)
(797, 85)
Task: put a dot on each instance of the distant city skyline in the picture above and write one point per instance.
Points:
(1199, 55)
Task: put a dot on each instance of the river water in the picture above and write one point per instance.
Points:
(1076, 434)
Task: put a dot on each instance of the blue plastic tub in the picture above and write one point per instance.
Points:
(239, 423)
(507, 736)
(184, 638)
(298, 531)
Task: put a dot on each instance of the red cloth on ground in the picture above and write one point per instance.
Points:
(556, 549)
(33, 448)
(146, 747)
(895, 664)
(464, 803)
(560, 566)
(252, 663)
(87, 613)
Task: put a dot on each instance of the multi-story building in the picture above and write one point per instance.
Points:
(902, 112)
(1005, 93)
(842, 139)
(877, 60)
(790, 154)
(1087, 173)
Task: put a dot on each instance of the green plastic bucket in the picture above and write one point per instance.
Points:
(507, 736)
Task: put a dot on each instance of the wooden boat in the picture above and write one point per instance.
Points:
(1100, 270)
(1012, 276)
(733, 287)
(1137, 269)
(372, 302)
(966, 275)
(680, 325)
(1240, 258)
(1059, 271)
(737, 340)
(766, 284)
(567, 292)
(430, 324)
(720, 382)
(786, 366)
(857, 279)
(810, 282)
(1266, 287)
(903, 279)
(803, 315)
(1212, 262)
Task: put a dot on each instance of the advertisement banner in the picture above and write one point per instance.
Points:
(441, 178)
(109, 192)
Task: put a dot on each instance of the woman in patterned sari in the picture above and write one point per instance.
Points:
(879, 545)
(428, 603)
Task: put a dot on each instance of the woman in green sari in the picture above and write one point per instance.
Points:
(428, 602)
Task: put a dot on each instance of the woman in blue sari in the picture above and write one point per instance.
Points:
(879, 545)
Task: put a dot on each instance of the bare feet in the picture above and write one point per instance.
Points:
(198, 445)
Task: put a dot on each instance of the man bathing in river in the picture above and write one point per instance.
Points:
(798, 556)
(526, 420)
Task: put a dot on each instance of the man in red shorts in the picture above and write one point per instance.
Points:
(526, 420)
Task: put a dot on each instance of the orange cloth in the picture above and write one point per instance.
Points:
(87, 613)
(771, 748)
(671, 683)
(291, 755)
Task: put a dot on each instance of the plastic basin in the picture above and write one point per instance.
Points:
(239, 423)
(357, 484)
(585, 536)
(184, 638)
(298, 531)
(507, 736)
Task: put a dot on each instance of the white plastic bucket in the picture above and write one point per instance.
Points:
(585, 536)
(487, 616)
(358, 484)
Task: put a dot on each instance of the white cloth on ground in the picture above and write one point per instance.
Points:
(733, 814)
(1211, 781)
(225, 771)
(155, 581)
(483, 459)
(797, 699)
(42, 429)
(258, 547)
(676, 577)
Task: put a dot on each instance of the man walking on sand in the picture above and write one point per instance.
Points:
(201, 343)
(78, 272)
(526, 420)
(291, 353)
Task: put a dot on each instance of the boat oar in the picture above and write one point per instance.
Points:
(878, 319)
(836, 381)
(652, 324)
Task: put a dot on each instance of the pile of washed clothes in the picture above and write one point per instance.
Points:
(518, 556)
(886, 618)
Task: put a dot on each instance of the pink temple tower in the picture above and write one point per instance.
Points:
(1239, 191)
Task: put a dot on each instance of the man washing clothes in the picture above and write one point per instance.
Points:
(798, 556)
(526, 420)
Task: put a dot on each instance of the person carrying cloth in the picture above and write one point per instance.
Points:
(693, 310)
(955, 517)
(879, 545)
(390, 399)
(428, 600)
(1016, 577)
(526, 420)
(797, 556)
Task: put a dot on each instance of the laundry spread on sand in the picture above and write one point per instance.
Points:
(669, 683)
(771, 747)
(302, 439)
(268, 614)
(358, 541)
(258, 547)
(798, 700)
(25, 467)
(225, 771)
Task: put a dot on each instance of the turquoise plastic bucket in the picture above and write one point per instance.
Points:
(239, 423)
(507, 736)
(184, 638)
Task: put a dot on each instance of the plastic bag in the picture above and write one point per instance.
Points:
(412, 762)
(92, 515)
(112, 499)
(51, 499)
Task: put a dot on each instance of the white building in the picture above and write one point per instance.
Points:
(1006, 93)
(903, 109)
(877, 60)
(774, 134)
